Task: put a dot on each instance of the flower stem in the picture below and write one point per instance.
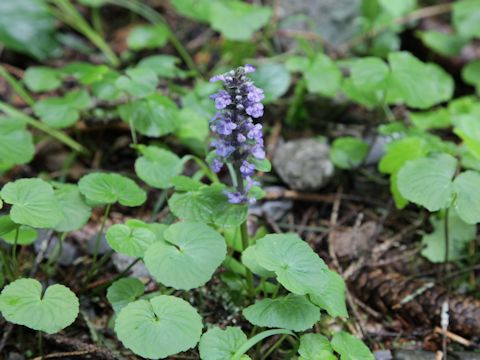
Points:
(14, 252)
(99, 236)
(248, 273)
(17, 86)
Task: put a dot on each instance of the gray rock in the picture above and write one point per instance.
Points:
(69, 252)
(383, 355)
(121, 262)
(15, 356)
(336, 21)
(91, 243)
(304, 164)
(424, 355)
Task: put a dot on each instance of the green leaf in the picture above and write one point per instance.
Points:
(186, 183)
(273, 78)
(109, 188)
(158, 328)
(471, 74)
(33, 203)
(240, 354)
(293, 312)
(398, 8)
(459, 234)
(129, 241)
(249, 259)
(124, 291)
(401, 151)
(62, 112)
(157, 166)
(434, 119)
(428, 181)
(22, 302)
(323, 76)
(8, 232)
(218, 344)
(42, 78)
(331, 295)
(369, 74)
(16, 143)
(192, 129)
(348, 152)
(315, 347)
(468, 129)
(87, 73)
(263, 165)
(28, 26)
(194, 9)
(154, 116)
(446, 44)
(138, 82)
(416, 84)
(75, 211)
(466, 17)
(148, 36)
(350, 348)
(237, 20)
(208, 205)
(6, 225)
(467, 201)
(296, 265)
(189, 256)
(165, 66)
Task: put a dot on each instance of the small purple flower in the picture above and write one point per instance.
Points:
(241, 138)
(222, 99)
(247, 169)
(225, 127)
(255, 110)
(249, 69)
(255, 133)
(216, 165)
(217, 78)
(255, 94)
(235, 197)
(258, 152)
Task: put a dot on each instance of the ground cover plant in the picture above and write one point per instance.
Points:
(141, 216)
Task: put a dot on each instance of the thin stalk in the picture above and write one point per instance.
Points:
(248, 273)
(67, 13)
(97, 20)
(16, 86)
(206, 170)
(99, 235)
(6, 266)
(155, 18)
(14, 252)
(445, 276)
(60, 136)
(274, 347)
(40, 344)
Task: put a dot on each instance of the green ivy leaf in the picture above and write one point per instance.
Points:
(459, 234)
(189, 256)
(148, 36)
(434, 119)
(350, 348)
(75, 211)
(428, 181)
(369, 74)
(158, 328)
(348, 152)
(323, 76)
(296, 265)
(218, 344)
(208, 205)
(109, 188)
(315, 347)
(248, 19)
(157, 166)
(124, 291)
(466, 15)
(293, 312)
(86, 73)
(446, 44)
(194, 9)
(22, 302)
(138, 82)
(16, 143)
(42, 78)
(331, 295)
(467, 201)
(274, 79)
(33, 203)
(131, 241)
(401, 151)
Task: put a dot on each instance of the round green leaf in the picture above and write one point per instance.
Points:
(323, 76)
(22, 302)
(6, 225)
(160, 327)
(41, 78)
(465, 17)
(16, 143)
(124, 291)
(164, 65)
(129, 241)
(330, 295)
(138, 82)
(293, 312)
(157, 166)
(369, 73)
(75, 211)
(312, 345)
(400, 151)
(249, 259)
(26, 235)
(467, 204)
(428, 181)
(189, 256)
(33, 203)
(148, 36)
(218, 344)
(348, 152)
(471, 73)
(274, 79)
(350, 348)
(297, 266)
(108, 188)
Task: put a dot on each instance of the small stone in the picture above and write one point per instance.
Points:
(121, 262)
(15, 356)
(304, 164)
(102, 249)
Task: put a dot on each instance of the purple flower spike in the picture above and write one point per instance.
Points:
(239, 140)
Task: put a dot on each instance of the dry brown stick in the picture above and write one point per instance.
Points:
(63, 354)
(454, 337)
(77, 345)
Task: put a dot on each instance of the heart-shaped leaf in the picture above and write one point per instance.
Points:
(467, 202)
(131, 241)
(157, 166)
(315, 347)
(160, 327)
(33, 203)
(188, 257)
(124, 291)
(22, 302)
(350, 348)
(138, 82)
(330, 295)
(8, 232)
(218, 344)
(16, 143)
(109, 188)
(148, 36)
(75, 211)
(293, 312)
(249, 259)
(42, 78)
